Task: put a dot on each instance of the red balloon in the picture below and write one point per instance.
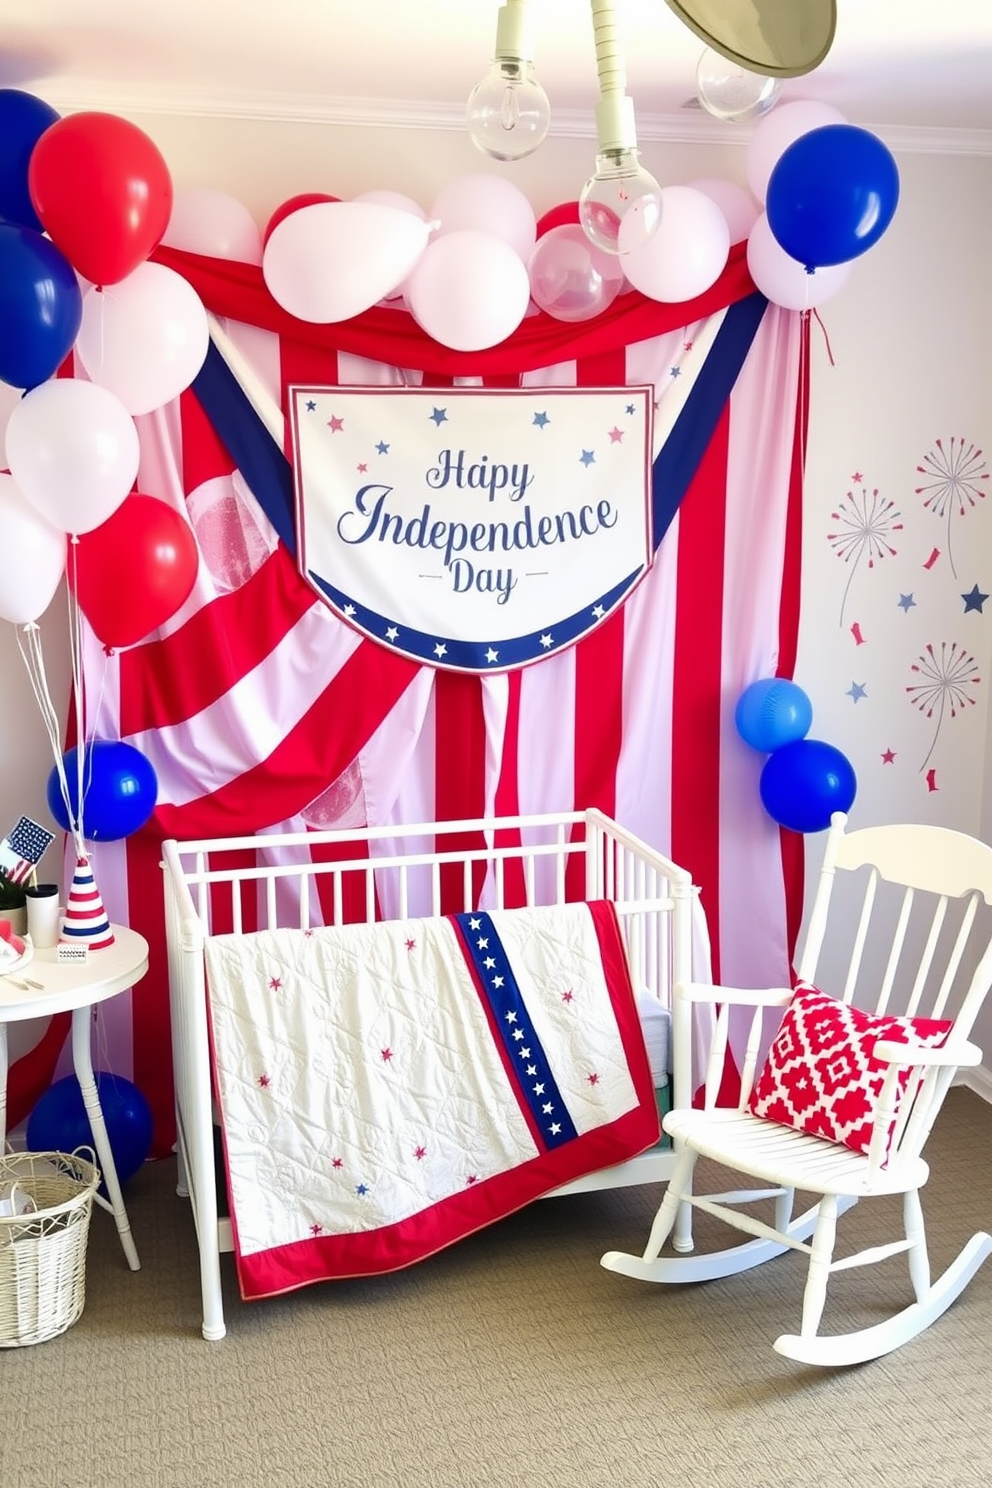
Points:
(557, 217)
(132, 573)
(293, 204)
(103, 193)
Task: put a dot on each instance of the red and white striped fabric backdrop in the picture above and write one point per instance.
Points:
(261, 710)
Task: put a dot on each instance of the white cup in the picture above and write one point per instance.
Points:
(44, 915)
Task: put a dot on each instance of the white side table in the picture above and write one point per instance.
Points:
(46, 986)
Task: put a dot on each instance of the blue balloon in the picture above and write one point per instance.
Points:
(120, 789)
(23, 120)
(59, 1122)
(804, 783)
(771, 712)
(41, 306)
(832, 194)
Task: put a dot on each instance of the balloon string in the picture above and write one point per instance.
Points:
(30, 647)
(826, 338)
(79, 701)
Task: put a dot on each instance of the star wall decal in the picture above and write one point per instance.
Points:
(857, 691)
(974, 599)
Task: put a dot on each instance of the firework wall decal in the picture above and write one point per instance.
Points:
(865, 526)
(945, 679)
(955, 476)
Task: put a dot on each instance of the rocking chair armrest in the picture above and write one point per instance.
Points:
(961, 1052)
(737, 996)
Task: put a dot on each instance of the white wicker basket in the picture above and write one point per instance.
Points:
(43, 1250)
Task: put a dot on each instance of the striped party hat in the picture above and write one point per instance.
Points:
(85, 920)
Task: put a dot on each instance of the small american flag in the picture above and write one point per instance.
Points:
(22, 848)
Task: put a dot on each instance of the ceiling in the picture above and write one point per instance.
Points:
(910, 65)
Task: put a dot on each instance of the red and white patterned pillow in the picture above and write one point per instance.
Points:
(821, 1075)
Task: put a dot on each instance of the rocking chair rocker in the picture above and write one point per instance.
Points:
(846, 1099)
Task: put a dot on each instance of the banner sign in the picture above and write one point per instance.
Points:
(473, 529)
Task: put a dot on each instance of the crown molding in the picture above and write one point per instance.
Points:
(692, 125)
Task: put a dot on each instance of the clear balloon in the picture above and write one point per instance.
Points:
(570, 277)
(832, 194)
(32, 557)
(733, 93)
(774, 133)
(145, 338)
(212, 223)
(784, 280)
(469, 290)
(686, 254)
(489, 204)
(333, 260)
(72, 447)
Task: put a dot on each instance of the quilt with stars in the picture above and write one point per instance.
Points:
(385, 1090)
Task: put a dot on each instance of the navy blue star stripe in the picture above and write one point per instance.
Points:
(526, 1055)
(477, 656)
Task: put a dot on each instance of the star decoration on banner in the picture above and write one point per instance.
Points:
(587, 458)
(616, 435)
(311, 406)
(439, 416)
(857, 691)
(974, 599)
(631, 409)
(907, 603)
(541, 420)
(335, 424)
(675, 371)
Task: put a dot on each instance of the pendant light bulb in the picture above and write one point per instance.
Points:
(508, 113)
(620, 205)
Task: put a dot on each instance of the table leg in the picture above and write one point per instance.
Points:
(83, 1064)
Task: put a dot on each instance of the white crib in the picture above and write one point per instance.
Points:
(270, 881)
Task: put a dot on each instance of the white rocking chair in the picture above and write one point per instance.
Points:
(941, 876)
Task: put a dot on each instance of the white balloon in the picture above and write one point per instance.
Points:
(489, 204)
(333, 260)
(73, 449)
(777, 131)
(211, 222)
(783, 279)
(736, 204)
(32, 557)
(469, 290)
(145, 338)
(686, 254)
(394, 199)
